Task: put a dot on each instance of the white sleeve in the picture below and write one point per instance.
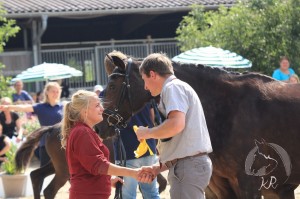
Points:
(175, 99)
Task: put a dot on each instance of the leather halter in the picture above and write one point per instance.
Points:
(114, 118)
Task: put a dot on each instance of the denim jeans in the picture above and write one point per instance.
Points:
(189, 177)
(149, 191)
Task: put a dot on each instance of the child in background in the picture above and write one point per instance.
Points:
(294, 79)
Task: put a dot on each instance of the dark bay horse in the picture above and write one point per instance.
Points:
(239, 109)
(57, 165)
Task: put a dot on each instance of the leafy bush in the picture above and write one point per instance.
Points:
(5, 89)
(259, 30)
(8, 29)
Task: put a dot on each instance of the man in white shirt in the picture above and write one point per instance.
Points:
(185, 141)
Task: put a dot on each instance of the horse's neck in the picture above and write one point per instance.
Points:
(206, 84)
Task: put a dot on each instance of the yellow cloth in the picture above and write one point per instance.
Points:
(143, 146)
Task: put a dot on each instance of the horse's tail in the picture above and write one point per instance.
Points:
(25, 152)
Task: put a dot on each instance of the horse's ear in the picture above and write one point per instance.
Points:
(263, 141)
(118, 62)
(257, 143)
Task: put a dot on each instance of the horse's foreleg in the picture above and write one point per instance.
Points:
(162, 182)
(249, 187)
(57, 182)
(37, 178)
(61, 169)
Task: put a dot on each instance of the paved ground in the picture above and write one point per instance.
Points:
(63, 192)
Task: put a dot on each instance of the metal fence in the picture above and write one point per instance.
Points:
(90, 60)
(82, 59)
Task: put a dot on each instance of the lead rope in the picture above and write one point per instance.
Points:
(122, 157)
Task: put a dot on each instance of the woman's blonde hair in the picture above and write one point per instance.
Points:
(48, 86)
(79, 101)
(296, 77)
(6, 100)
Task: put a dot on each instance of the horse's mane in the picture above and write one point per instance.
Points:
(220, 71)
(229, 74)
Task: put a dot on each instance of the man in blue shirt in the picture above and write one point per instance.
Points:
(21, 96)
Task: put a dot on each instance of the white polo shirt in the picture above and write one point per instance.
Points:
(180, 96)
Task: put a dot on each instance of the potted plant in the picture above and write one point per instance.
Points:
(14, 183)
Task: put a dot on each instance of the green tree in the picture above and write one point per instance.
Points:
(8, 29)
(5, 90)
(259, 30)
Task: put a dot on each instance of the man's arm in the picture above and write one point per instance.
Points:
(173, 125)
(28, 98)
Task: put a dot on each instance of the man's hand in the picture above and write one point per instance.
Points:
(148, 174)
(143, 133)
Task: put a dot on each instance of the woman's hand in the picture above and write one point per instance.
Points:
(114, 180)
(147, 174)
(4, 108)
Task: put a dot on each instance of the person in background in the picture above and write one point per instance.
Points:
(10, 121)
(284, 72)
(143, 118)
(87, 157)
(33, 96)
(65, 91)
(98, 89)
(5, 145)
(48, 113)
(39, 97)
(184, 139)
(294, 79)
(21, 96)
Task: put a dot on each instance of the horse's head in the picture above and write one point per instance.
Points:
(263, 163)
(123, 96)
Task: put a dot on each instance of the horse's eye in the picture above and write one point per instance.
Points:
(111, 87)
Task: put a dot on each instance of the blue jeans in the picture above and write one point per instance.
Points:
(149, 191)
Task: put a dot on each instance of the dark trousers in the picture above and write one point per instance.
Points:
(44, 157)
